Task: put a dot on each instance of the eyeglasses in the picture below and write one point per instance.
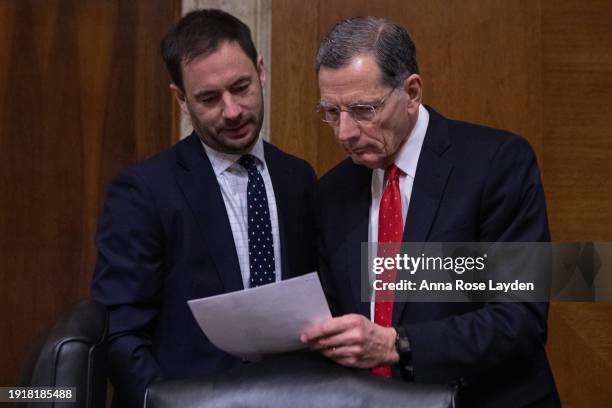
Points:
(361, 113)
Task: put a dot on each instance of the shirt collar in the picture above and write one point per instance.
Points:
(221, 162)
(408, 155)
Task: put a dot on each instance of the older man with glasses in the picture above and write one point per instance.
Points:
(415, 176)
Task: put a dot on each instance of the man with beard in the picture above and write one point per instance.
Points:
(220, 211)
(415, 176)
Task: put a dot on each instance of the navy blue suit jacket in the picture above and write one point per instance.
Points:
(164, 238)
(472, 184)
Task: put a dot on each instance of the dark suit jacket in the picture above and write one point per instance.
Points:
(472, 184)
(164, 238)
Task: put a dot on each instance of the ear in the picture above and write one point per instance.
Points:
(414, 89)
(261, 70)
(180, 98)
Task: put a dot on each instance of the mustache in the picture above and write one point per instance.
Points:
(236, 123)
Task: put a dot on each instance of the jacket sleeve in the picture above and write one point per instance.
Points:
(128, 281)
(461, 348)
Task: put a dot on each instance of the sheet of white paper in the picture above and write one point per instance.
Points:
(263, 320)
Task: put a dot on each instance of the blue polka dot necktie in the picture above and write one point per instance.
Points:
(261, 244)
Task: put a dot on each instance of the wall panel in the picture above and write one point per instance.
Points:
(83, 93)
(293, 120)
(577, 116)
(577, 170)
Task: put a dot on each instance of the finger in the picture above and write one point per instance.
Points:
(342, 339)
(347, 355)
(346, 338)
(329, 352)
(315, 346)
(347, 361)
(349, 352)
(355, 333)
(338, 355)
(324, 343)
(325, 329)
(312, 334)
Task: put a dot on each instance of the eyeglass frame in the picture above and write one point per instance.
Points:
(376, 108)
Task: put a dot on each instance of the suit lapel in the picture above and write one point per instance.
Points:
(430, 180)
(281, 183)
(427, 190)
(429, 183)
(198, 182)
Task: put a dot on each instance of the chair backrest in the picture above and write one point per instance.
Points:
(296, 380)
(72, 354)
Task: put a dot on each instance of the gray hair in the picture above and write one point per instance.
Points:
(389, 43)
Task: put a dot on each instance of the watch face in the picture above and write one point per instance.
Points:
(403, 344)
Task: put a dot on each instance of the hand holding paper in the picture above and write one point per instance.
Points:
(263, 320)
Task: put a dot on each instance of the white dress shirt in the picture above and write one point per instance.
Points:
(406, 160)
(233, 180)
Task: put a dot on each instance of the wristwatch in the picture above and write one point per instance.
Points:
(402, 346)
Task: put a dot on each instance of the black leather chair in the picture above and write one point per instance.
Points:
(72, 354)
(296, 380)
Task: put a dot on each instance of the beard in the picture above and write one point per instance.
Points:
(233, 137)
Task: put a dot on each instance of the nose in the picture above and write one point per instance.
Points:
(231, 107)
(347, 128)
